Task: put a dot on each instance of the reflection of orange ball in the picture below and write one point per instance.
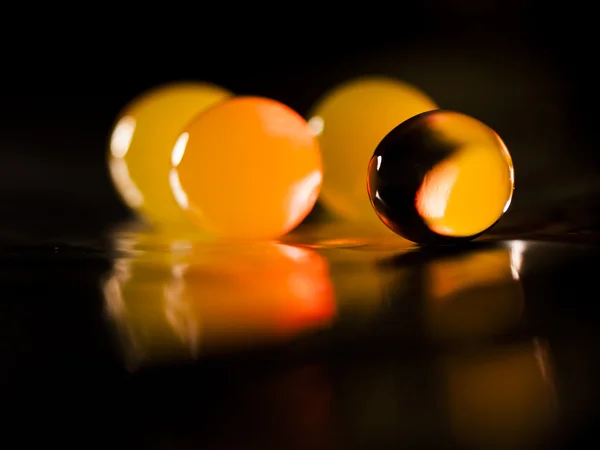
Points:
(251, 294)
(248, 168)
(208, 298)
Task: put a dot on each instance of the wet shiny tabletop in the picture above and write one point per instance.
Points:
(322, 340)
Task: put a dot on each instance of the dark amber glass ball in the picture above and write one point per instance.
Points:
(439, 177)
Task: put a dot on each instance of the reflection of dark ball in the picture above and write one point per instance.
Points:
(440, 176)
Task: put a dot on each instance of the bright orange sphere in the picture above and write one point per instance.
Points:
(248, 168)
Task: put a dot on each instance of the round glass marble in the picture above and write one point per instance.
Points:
(440, 176)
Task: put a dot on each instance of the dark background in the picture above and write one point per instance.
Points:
(521, 67)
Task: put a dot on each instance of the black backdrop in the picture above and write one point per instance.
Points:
(522, 67)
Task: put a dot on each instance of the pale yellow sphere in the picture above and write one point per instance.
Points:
(349, 122)
(141, 144)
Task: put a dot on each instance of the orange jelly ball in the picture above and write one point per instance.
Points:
(248, 168)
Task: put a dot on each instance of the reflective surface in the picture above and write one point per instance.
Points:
(141, 141)
(184, 299)
(152, 342)
(439, 176)
(247, 169)
(349, 121)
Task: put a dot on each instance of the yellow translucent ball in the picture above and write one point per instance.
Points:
(141, 143)
(349, 122)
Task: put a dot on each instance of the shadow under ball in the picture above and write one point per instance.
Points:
(440, 177)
